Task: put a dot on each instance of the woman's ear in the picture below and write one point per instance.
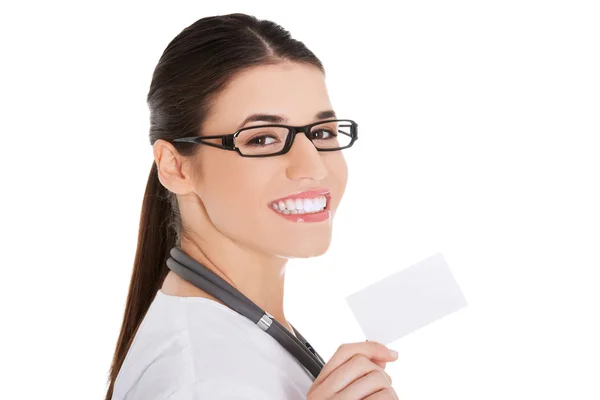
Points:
(171, 168)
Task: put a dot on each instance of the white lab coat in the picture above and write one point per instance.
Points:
(192, 348)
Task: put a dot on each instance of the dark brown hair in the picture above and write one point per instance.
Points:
(193, 69)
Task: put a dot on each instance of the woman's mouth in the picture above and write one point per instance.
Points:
(304, 207)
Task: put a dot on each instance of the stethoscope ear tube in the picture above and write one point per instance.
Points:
(203, 278)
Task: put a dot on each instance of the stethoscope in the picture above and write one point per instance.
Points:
(202, 277)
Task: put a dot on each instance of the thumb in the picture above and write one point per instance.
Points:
(382, 364)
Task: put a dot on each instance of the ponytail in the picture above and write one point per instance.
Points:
(156, 237)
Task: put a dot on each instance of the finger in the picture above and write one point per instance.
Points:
(372, 350)
(385, 394)
(382, 364)
(363, 387)
(389, 378)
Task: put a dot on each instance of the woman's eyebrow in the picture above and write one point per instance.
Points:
(278, 119)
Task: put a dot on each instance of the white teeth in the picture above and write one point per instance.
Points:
(290, 204)
(300, 206)
(308, 205)
(318, 203)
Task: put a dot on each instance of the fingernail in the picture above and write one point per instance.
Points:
(393, 353)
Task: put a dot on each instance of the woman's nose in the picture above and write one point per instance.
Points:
(305, 160)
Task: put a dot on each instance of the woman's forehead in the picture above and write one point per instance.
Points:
(294, 91)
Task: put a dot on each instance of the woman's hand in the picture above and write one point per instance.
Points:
(355, 372)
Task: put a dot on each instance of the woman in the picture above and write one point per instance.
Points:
(241, 205)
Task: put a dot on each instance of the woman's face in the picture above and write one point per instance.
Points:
(238, 192)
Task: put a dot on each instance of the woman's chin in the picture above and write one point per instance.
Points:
(307, 249)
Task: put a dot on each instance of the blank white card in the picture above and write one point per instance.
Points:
(407, 300)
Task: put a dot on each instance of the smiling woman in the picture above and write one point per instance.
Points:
(247, 173)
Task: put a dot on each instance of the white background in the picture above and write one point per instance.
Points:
(479, 138)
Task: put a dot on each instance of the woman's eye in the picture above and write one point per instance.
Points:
(322, 134)
(261, 140)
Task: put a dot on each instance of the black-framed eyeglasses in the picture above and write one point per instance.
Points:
(275, 139)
